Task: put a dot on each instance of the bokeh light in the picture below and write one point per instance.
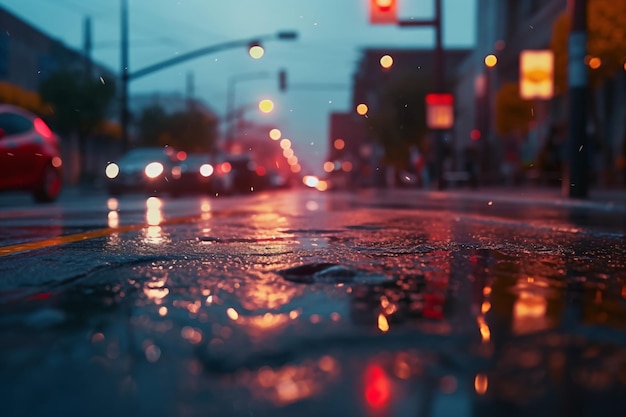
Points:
(595, 63)
(362, 109)
(112, 170)
(339, 144)
(491, 61)
(285, 143)
(266, 105)
(329, 166)
(275, 134)
(256, 51)
(386, 61)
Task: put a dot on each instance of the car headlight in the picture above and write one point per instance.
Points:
(153, 169)
(112, 170)
(206, 170)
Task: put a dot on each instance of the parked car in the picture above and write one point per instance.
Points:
(146, 170)
(30, 157)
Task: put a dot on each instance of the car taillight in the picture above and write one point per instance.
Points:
(42, 128)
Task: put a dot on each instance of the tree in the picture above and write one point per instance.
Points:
(606, 40)
(400, 119)
(190, 130)
(79, 104)
(152, 125)
(513, 114)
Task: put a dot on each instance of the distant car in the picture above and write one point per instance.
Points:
(245, 174)
(30, 157)
(146, 170)
(199, 174)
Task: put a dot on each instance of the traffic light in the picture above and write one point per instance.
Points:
(282, 80)
(383, 12)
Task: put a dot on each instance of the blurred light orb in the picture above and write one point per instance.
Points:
(288, 153)
(206, 170)
(295, 168)
(275, 134)
(491, 60)
(256, 51)
(153, 169)
(285, 143)
(321, 186)
(386, 61)
(329, 166)
(310, 181)
(57, 162)
(112, 170)
(362, 109)
(266, 105)
(595, 63)
(292, 160)
(339, 144)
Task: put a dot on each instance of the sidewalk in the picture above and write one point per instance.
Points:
(599, 199)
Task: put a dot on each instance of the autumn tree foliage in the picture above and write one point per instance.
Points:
(606, 41)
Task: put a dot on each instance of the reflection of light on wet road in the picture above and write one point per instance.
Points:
(485, 332)
(529, 312)
(113, 219)
(383, 324)
(156, 290)
(377, 386)
(153, 234)
(291, 383)
(269, 295)
(154, 215)
(481, 383)
(205, 209)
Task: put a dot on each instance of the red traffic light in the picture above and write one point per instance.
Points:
(383, 12)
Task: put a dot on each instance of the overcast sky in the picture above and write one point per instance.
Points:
(331, 35)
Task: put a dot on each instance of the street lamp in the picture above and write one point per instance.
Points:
(127, 76)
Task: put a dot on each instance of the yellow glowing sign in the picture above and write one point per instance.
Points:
(536, 74)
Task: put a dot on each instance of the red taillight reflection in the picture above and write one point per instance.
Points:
(42, 128)
(377, 386)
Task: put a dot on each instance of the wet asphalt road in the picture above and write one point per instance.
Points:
(379, 303)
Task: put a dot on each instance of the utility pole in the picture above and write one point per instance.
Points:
(439, 78)
(87, 47)
(577, 80)
(190, 90)
(124, 74)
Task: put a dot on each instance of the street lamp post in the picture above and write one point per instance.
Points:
(127, 76)
(577, 80)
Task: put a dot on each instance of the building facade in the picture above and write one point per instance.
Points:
(505, 29)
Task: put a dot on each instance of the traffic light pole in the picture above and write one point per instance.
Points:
(439, 78)
(127, 76)
(577, 80)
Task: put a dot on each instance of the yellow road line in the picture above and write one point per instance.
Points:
(93, 234)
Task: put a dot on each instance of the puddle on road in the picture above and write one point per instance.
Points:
(365, 325)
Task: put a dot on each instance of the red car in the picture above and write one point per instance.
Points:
(30, 157)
